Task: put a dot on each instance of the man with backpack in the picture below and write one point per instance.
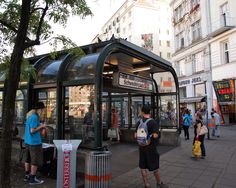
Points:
(146, 134)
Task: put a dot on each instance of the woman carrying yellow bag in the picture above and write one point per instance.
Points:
(198, 141)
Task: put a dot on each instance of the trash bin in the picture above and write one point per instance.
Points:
(98, 169)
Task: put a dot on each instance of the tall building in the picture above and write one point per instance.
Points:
(203, 56)
(146, 23)
(191, 53)
(222, 42)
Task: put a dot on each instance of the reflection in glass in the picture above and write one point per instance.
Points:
(165, 82)
(81, 68)
(48, 97)
(80, 114)
(47, 73)
(168, 112)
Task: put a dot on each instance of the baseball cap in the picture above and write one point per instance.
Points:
(39, 105)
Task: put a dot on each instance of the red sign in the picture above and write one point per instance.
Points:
(66, 170)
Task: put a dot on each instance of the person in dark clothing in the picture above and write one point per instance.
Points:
(148, 155)
(186, 124)
(201, 138)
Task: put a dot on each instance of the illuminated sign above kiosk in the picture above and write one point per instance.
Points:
(130, 81)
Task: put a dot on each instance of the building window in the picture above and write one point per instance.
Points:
(159, 42)
(182, 70)
(196, 29)
(124, 31)
(197, 62)
(182, 92)
(199, 90)
(168, 43)
(118, 30)
(160, 54)
(225, 47)
(118, 19)
(130, 26)
(167, 32)
(194, 3)
(129, 13)
(224, 14)
(168, 55)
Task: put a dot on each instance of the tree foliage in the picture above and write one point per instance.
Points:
(24, 24)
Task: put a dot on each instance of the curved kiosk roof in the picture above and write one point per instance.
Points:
(105, 65)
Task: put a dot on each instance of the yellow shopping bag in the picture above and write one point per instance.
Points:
(196, 148)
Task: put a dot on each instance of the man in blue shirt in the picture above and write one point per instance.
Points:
(33, 143)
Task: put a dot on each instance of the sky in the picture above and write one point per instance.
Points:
(82, 31)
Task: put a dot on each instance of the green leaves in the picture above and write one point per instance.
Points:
(27, 70)
(43, 14)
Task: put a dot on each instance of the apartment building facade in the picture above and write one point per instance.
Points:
(222, 42)
(204, 58)
(142, 23)
(191, 54)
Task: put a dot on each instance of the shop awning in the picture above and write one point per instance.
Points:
(193, 99)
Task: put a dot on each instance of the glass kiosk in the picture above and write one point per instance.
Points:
(79, 92)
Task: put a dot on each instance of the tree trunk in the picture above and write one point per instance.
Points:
(10, 96)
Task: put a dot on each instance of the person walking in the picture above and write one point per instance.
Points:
(197, 136)
(212, 124)
(33, 144)
(115, 122)
(217, 124)
(148, 154)
(187, 121)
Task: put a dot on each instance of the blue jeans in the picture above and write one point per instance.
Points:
(203, 146)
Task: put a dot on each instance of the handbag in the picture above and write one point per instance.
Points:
(196, 148)
(203, 130)
(111, 133)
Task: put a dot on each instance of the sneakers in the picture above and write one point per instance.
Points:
(35, 181)
(162, 185)
(26, 177)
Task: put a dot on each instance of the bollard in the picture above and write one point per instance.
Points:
(98, 169)
(66, 162)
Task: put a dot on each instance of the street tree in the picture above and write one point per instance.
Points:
(23, 25)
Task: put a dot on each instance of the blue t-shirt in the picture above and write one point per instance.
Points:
(32, 138)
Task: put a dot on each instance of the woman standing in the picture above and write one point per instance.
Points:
(197, 135)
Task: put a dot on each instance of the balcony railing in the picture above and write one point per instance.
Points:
(221, 25)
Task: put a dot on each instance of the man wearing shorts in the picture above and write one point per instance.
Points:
(33, 144)
(148, 155)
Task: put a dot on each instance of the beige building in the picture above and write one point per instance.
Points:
(203, 54)
(142, 23)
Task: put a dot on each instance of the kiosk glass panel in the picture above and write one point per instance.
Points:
(81, 68)
(165, 82)
(81, 112)
(47, 72)
(168, 113)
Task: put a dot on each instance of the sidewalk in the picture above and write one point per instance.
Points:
(179, 170)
